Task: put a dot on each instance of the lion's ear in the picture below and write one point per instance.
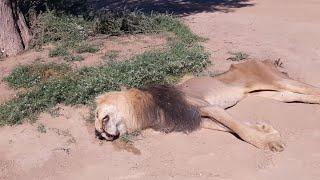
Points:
(100, 99)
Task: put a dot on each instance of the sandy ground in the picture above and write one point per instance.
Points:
(287, 29)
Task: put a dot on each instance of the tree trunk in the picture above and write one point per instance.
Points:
(14, 33)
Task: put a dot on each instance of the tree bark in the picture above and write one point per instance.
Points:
(14, 33)
(25, 32)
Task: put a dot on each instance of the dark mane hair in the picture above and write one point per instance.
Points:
(177, 114)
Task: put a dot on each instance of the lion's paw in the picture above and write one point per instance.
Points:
(271, 142)
(276, 146)
(266, 128)
(264, 136)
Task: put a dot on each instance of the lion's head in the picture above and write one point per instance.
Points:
(162, 108)
(109, 121)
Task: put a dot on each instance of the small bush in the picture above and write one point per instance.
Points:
(67, 30)
(41, 128)
(123, 22)
(86, 48)
(129, 138)
(58, 51)
(238, 56)
(71, 58)
(70, 30)
(182, 32)
(110, 57)
(31, 75)
(75, 7)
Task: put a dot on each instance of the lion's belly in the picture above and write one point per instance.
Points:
(225, 97)
(213, 91)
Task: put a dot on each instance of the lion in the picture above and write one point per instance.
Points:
(200, 102)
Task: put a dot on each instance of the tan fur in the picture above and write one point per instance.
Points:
(132, 104)
(212, 95)
(139, 101)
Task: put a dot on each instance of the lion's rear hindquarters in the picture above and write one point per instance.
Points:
(253, 75)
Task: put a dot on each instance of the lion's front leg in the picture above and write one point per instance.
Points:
(262, 136)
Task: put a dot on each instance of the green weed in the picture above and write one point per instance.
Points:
(129, 138)
(71, 58)
(58, 51)
(54, 112)
(238, 56)
(86, 48)
(110, 57)
(41, 128)
(67, 30)
(31, 75)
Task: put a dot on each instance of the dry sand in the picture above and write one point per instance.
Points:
(287, 29)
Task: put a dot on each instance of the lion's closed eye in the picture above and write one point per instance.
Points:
(106, 118)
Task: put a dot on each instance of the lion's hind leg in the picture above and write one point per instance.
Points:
(288, 96)
(298, 87)
(261, 136)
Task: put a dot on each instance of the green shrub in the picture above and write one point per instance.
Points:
(41, 128)
(71, 58)
(31, 75)
(238, 56)
(71, 30)
(123, 22)
(86, 48)
(168, 23)
(58, 51)
(75, 7)
(110, 57)
(68, 30)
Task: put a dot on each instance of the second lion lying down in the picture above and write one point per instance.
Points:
(200, 102)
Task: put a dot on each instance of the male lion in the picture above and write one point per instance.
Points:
(200, 102)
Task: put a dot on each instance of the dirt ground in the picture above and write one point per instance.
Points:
(61, 145)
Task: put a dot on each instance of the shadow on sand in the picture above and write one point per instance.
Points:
(176, 7)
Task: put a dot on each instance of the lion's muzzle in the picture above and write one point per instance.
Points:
(106, 136)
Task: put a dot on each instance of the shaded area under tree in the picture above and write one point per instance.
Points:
(176, 7)
(15, 34)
